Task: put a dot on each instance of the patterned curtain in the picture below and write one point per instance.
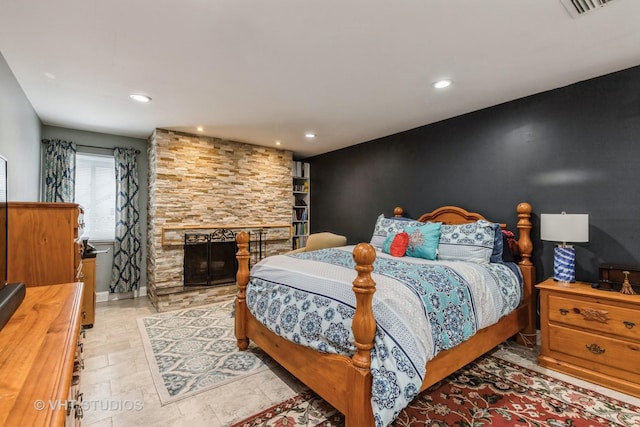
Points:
(59, 170)
(127, 252)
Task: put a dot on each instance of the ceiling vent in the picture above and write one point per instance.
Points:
(580, 7)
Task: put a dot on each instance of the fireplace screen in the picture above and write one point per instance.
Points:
(210, 259)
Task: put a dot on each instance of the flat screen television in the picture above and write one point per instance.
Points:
(11, 294)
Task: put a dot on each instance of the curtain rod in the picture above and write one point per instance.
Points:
(46, 141)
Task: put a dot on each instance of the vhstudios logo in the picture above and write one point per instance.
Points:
(90, 405)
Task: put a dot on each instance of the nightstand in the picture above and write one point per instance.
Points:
(591, 334)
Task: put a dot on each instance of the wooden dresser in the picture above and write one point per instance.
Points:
(591, 334)
(44, 249)
(43, 243)
(41, 359)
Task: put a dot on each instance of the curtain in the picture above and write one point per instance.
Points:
(59, 170)
(127, 249)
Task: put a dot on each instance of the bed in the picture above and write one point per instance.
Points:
(348, 381)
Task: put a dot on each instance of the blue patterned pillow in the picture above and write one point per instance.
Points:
(467, 242)
(423, 240)
(385, 226)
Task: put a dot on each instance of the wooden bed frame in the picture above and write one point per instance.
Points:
(345, 382)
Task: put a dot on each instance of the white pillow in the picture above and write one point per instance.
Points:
(385, 226)
(467, 242)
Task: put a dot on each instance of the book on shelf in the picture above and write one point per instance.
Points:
(301, 169)
(299, 214)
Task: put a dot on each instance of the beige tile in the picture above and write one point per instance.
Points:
(140, 379)
(106, 422)
(96, 391)
(95, 362)
(95, 349)
(130, 355)
(151, 414)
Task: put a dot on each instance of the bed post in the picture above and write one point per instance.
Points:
(242, 278)
(525, 247)
(359, 412)
(364, 324)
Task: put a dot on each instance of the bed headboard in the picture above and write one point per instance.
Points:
(447, 215)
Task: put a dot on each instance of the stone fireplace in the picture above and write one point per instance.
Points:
(200, 185)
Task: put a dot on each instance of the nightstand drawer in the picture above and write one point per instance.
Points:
(624, 322)
(601, 350)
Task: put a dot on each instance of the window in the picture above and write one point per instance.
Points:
(96, 193)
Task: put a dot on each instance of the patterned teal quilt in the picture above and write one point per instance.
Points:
(421, 307)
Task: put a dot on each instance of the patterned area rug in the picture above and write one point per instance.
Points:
(488, 392)
(193, 350)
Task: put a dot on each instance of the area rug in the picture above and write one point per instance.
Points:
(491, 391)
(193, 350)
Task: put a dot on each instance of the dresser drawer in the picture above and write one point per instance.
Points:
(612, 352)
(603, 318)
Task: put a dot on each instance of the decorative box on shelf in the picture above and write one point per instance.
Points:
(612, 276)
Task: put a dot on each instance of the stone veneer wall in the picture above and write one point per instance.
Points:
(197, 180)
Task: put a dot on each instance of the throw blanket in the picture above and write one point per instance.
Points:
(420, 306)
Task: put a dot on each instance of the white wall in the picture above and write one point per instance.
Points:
(19, 138)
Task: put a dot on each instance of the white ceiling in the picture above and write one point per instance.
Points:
(267, 71)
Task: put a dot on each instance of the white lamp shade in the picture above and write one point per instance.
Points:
(564, 227)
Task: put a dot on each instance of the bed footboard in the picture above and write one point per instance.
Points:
(344, 382)
(364, 324)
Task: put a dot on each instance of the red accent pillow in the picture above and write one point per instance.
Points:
(399, 244)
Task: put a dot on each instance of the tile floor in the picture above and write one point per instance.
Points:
(119, 391)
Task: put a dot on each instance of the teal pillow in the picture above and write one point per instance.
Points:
(423, 240)
(386, 246)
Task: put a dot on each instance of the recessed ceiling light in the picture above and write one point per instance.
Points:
(277, 142)
(441, 84)
(310, 135)
(199, 128)
(139, 97)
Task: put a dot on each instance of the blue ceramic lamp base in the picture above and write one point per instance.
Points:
(564, 263)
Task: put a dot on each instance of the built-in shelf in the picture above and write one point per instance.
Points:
(300, 212)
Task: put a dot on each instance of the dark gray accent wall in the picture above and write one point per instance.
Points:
(573, 149)
(19, 138)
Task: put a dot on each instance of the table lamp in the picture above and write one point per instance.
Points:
(564, 228)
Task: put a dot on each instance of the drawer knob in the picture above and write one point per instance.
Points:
(564, 311)
(79, 412)
(595, 348)
(628, 324)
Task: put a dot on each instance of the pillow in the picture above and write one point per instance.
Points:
(423, 240)
(498, 246)
(396, 244)
(385, 226)
(467, 242)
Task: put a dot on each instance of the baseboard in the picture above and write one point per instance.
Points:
(108, 296)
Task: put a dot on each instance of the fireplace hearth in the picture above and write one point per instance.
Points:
(210, 259)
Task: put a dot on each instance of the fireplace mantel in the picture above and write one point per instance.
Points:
(174, 235)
